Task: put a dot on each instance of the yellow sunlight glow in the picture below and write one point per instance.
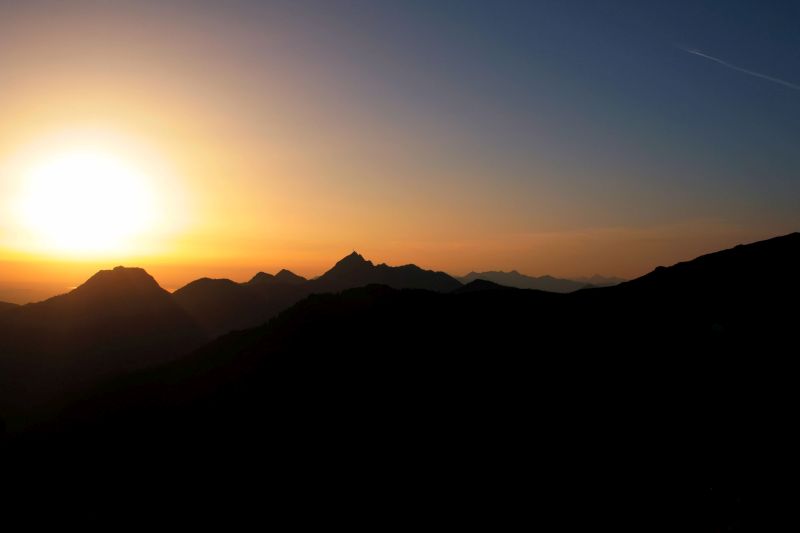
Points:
(86, 201)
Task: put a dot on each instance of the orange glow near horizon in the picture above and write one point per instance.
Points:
(202, 142)
(85, 199)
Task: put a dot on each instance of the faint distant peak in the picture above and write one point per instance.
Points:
(514, 279)
(355, 257)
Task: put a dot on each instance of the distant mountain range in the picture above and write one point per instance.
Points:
(521, 281)
(541, 283)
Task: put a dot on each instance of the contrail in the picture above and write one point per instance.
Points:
(742, 70)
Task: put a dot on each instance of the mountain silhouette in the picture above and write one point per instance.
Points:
(117, 321)
(123, 309)
(689, 312)
(224, 305)
(480, 284)
(353, 266)
(595, 397)
(262, 277)
(355, 271)
(762, 268)
(4, 306)
(733, 299)
(284, 276)
(521, 281)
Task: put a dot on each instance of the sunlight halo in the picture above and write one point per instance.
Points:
(85, 200)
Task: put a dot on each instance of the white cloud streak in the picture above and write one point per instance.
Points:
(742, 70)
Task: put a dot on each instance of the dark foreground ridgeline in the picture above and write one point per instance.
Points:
(663, 402)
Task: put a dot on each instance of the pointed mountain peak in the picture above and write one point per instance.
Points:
(353, 264)
(354, 259)
(355, 256)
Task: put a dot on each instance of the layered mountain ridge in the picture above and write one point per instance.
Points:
(677, 365)
(224, 305)
(541, 283)
(121, 320)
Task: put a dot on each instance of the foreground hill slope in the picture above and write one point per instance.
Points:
(743, 292)
(760, 267)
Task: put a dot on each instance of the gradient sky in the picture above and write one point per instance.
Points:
(551, 137)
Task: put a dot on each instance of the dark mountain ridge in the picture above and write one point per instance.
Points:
(121, 320)
(599, 399)
(223, 305)
(768, 263)
(688, 312)
(355, 271)
(284, 276)
(118, 307)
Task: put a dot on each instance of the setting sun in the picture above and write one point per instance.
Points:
(86, 200)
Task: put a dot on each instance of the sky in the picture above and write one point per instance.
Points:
(551, 137)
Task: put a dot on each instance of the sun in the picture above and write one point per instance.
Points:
(86, 201)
